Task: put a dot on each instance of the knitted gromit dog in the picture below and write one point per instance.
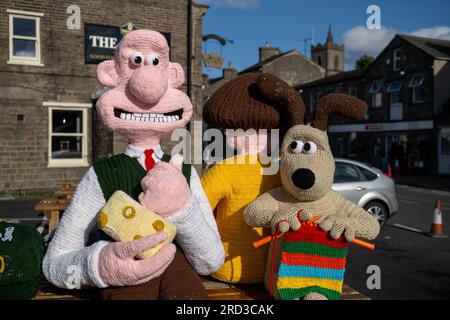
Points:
(311, 264)
(233, 183)
(143, 104)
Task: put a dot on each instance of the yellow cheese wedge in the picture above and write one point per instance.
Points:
(125, 219)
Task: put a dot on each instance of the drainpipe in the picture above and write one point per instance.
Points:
(189, 49)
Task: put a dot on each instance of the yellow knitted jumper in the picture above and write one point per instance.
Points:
(230, 186)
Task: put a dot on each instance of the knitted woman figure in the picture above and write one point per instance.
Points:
(232, 184)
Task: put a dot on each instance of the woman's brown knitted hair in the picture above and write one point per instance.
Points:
(254, 101)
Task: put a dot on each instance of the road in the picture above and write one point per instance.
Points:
(412, 265)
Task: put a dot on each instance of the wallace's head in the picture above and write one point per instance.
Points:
(145, 102)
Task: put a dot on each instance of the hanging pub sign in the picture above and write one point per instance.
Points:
(100, 41)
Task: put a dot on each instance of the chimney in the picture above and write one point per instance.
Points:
(267, 51)
(230, 72)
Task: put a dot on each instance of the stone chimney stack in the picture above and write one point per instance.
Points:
(267, 51)
(230, 72)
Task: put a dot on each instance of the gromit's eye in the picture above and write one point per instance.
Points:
(310, 147)
(151, 58)
(137, 58)
(296, 146)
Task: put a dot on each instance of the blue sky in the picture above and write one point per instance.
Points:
(250, 23)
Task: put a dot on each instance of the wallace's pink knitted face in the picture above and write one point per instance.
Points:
(145, 102)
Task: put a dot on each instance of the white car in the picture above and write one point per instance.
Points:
(366, 186)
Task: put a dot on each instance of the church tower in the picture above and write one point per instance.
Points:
(329, 56)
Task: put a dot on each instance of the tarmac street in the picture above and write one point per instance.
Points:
(412, 265)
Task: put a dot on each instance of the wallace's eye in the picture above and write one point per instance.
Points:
(310, 147)
(137, 58)
(152, 59)
(297, 146)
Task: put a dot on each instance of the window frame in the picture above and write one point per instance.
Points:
(374, 99)
(414, 95)
(396, 59)
(67, 106)
(31, 61)
(415, 87)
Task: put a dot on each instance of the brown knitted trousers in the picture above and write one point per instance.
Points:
(178, 282)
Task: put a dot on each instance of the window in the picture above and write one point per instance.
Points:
(376, 94)
(319, 60)
(68, 142)
(24, 38)
(394, 86)
(312, 101)
(369, 175)
(396, 65)
(417, 89)
(319, 95)
(352, 91)
(336, 63)
(345, 172)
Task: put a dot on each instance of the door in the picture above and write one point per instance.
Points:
(444, 151)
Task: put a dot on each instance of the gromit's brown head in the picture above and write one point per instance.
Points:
(307, 164)
(254, 101)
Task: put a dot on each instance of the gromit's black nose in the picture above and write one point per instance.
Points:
(303, 178)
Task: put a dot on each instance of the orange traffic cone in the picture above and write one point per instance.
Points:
(437, 228)
(389, 173)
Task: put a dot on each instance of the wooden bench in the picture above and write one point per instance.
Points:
(52, 209)
(216, 291)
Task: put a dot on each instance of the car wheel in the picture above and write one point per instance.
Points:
(378, 210)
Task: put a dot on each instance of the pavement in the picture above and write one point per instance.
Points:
(441, 183)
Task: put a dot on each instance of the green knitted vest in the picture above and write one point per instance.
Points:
(121, 172)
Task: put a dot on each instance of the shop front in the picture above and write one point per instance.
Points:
(406, 146)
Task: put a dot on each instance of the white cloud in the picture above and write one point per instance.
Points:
(440, 32)
(235, 4)
(359, 40)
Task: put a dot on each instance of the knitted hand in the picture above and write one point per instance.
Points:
(165, 190)
(118, 267)
(289, 218)
(337, 224)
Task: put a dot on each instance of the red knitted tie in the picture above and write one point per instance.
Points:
(149, 161)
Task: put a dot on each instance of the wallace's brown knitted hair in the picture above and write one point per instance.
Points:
(254, 101)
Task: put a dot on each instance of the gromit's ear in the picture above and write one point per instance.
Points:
(107, 73)
(176, 75)
(348, 106)
(283, 96)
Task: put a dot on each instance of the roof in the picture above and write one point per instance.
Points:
(342, 76)
(437, 48)
(268, 60)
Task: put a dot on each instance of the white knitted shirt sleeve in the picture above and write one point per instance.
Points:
(197, 232)
(68, 261)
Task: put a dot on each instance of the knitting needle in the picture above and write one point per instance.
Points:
(263, 241)
(277, 235)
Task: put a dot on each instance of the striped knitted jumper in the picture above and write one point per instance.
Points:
(311, 261)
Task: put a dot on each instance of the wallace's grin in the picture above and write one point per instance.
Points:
(149, 117)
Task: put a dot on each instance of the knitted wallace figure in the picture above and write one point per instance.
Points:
(312, 260)
(232, 184)
(143, 104)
